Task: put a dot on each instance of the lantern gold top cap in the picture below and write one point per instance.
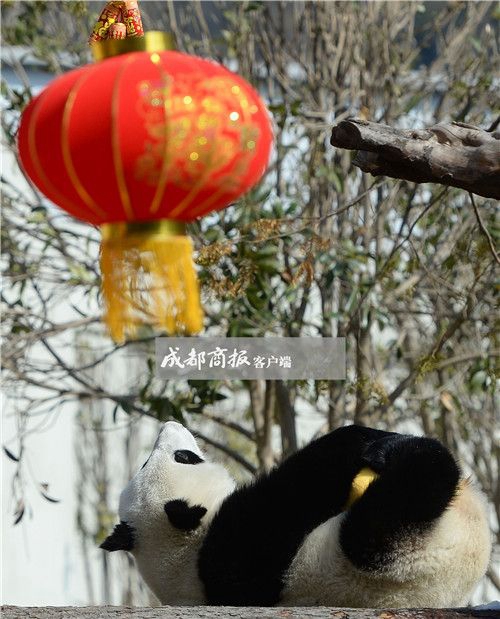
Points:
(153, 41)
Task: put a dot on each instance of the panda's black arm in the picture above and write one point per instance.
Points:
(260, 527)
(418, 479)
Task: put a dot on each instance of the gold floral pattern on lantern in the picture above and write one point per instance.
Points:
(192, 137)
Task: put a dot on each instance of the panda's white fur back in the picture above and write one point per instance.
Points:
(438, 569)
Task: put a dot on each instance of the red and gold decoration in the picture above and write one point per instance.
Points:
(117, 21)
(141, 143)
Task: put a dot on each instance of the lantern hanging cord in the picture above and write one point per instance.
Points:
(118, 20)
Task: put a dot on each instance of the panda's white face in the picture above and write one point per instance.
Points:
(166, 508)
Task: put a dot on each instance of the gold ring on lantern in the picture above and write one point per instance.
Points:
(162, 227)
(153, 41)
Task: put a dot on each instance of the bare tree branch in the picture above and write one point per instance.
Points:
(453, 154)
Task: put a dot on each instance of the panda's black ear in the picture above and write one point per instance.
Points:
(182, 516)
(122, 538)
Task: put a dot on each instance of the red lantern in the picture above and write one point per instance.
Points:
(139, 144)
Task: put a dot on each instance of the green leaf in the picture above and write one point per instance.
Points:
(336, 180)
(476, 44)
(253, 6)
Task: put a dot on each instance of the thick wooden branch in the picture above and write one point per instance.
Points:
(453, 154)
(225, 612)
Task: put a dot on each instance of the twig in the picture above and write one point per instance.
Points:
(230, 452)
(484, 229)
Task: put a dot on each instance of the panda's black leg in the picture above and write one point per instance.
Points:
(320, 475)
(260, 527)
(418, 479)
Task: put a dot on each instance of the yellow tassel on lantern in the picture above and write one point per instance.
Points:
(148, 277)
(359, 485)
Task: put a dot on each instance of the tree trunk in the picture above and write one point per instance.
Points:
(262, 408)
(286, 414)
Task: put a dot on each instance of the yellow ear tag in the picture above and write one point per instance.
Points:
(359, 485)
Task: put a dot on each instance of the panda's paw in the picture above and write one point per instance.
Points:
(414, 456)
(378, 454)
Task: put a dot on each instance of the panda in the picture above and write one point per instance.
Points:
(417, 537)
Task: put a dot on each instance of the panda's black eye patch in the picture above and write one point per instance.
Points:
(184, 456)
